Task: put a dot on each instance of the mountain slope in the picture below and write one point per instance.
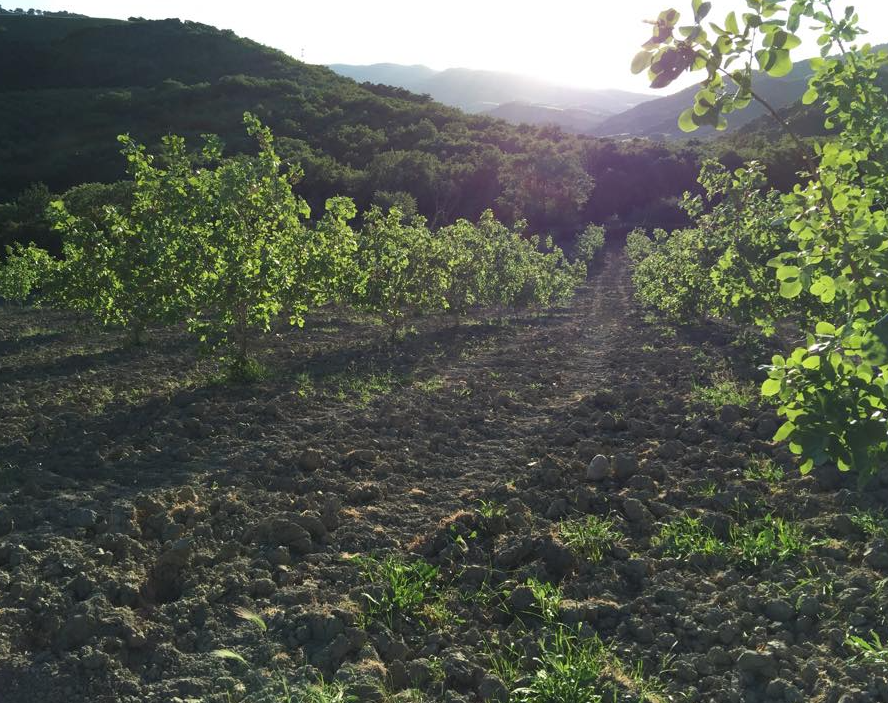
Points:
(510, 96)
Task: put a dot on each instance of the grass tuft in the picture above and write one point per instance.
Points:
(763, 468)
(869, 651)
(252, 617)
(568, 670)
(724, 389)
(872, 523)
(591, 538)
(686, 536)
(398, 588)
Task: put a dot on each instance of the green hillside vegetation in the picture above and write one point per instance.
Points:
(71, 85)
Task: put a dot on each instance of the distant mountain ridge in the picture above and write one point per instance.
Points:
(509, 96)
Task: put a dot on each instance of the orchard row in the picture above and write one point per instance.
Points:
(226, 246)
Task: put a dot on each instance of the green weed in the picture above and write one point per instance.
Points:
(398, 588)
(248, 370)
(873, 523)
(547, 599)
(768, 539)
(871, 651)
(765, 469)
(364, 387)
(503, 660)
(763, 540)
(591, 538)
(686, 536)
(491, 510)
(305, 385)
(705, 490)
(568, 670)
(724, 389)
(430, 385)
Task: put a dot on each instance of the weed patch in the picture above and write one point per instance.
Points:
(758, 541)
(724, 389)
(397, 588)
(591, 538)
(765, 469)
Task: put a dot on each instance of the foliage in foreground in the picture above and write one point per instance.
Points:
(817, 255)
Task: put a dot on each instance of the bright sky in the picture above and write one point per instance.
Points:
(572, 42)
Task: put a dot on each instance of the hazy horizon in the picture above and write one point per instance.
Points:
(580, 47)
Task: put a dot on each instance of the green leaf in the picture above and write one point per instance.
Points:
(790, 289)
(785, 273)
(686, 121)
(669, 17)
(774, 62)
(701, 9)
(811, 363)
(229, 654)
(731, 24)
(771, 387)
(641, 61)
(824, 288)
(784, 431)
(810, 96)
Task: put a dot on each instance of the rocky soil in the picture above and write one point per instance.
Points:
(147, 509)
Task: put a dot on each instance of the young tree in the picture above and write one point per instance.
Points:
(251, 256)
(589, 242)
(23, 272)
(398, 269)
(124, 264)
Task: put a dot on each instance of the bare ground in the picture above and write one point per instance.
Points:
(142, 503)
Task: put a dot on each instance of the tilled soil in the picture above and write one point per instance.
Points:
(142, 504)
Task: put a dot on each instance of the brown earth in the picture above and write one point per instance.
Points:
(142, 503)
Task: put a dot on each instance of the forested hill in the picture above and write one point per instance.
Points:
(70, 85)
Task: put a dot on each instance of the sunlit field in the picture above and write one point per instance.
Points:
(388, 353)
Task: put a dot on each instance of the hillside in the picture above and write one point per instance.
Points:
(410, 78)
(510, 96)
(152, 78)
